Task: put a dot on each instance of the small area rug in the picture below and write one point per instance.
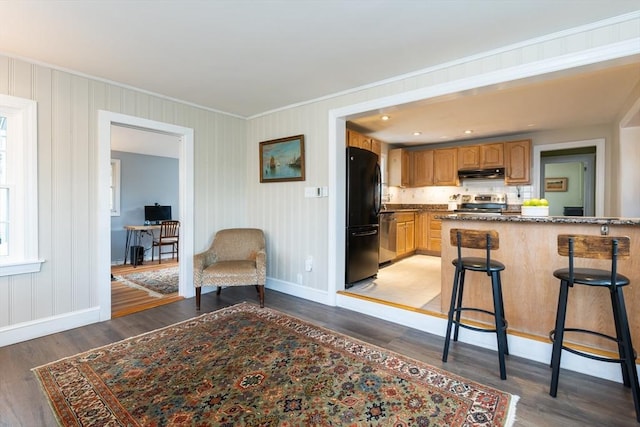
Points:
(156, 282)
(247, 366)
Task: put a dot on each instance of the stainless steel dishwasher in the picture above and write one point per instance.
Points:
(387, 237)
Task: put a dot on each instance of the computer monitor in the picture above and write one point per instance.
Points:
(157, 213)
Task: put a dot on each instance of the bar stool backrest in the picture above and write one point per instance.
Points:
(475, 239)
(594, 247)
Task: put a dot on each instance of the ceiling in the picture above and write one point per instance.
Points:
(248, 57)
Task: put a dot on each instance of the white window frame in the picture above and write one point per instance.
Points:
(22, 176)
(115, 187)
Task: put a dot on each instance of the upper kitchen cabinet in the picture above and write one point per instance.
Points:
(517, 156)
(492, 155)
(481, 156)
(422, 166)
(469, 157)
(399, 168)
(356, 139)
(445, 166)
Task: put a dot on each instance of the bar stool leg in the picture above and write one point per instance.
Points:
(558, 336)
(499, 283)
(459, 304)
(499, 322)
(629, 371)
(452, 306)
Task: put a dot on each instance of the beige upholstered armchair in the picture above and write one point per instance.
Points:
(237, 257)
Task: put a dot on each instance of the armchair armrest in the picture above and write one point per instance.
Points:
(261, 266)
(200, 262)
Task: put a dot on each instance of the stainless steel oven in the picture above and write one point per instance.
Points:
(387, 237)
(482, 204)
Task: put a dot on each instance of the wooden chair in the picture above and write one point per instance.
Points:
(169, 236)
(603, 248)
(237, 257)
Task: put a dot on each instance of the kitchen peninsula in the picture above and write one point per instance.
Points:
(528, 248)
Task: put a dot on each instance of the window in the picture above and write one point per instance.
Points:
(114, 188)
(18, 186)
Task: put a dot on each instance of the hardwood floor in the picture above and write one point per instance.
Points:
(126, 300)
(581, 401)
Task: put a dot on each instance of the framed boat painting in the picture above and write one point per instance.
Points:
(282, 159)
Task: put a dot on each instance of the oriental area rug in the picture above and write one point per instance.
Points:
(156, 282)
(247, 366)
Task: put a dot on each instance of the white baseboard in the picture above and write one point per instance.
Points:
(50, 325)
(295, 290)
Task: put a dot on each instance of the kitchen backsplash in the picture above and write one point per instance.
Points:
(441, 195)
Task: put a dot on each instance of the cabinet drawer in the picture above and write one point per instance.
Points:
(405, 216)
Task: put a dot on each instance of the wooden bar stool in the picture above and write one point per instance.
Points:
(477, 239)
(595, 247)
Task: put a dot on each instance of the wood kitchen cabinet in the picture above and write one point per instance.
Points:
(481, 156)
(405, 234)
(517, 162)
(399, 168)
(422, 231)
(445, 166)
(422, 168)
(428, 229)
(356, 139)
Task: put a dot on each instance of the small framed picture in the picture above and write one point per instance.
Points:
(555, 184)
(282, 159)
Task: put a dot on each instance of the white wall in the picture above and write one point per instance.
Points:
(65, 293)
(629, 173)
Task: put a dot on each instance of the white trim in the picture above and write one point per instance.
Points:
(23, 258)
(115, 181)
(38, 328)
(600, 167)
(185, 173)
(296, 290)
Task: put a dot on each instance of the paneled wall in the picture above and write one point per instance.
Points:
(227, 187)
(67, 181)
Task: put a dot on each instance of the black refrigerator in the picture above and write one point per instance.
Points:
(364, 190)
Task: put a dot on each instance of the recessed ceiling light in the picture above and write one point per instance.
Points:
(385, 117)
(468, 131)
(417, 133)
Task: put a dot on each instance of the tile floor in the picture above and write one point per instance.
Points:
(413, 282)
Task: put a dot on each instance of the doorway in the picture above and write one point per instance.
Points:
(567, 181)
(185, 175)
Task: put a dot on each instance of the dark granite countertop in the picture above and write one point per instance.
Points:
(547, 219)
(414, 208)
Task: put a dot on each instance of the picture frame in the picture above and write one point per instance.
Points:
(556, 184)
(282, 159)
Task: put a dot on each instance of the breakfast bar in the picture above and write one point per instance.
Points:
(528, 248)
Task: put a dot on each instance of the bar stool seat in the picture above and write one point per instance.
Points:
(477, 239)
(595, 247)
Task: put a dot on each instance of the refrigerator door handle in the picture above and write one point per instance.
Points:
(364, 233)
(377, 194)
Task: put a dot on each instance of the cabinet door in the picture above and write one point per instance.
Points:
(517, 162)
(492, 155)
(435, 227)
(422, 167)
(445, 161)
(410, 230)
(376, 147)
(401, 238)
(422, 231)
(469, 157)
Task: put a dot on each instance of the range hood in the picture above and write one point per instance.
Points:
(491, 173)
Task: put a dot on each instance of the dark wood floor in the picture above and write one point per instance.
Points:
(581, 401)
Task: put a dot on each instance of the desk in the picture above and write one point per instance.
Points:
(135, 232)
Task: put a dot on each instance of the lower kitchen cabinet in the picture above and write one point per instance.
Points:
(428, 239)
(405, 234)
